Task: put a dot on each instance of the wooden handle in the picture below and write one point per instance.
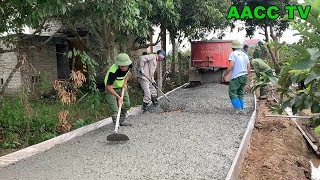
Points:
(119, 111)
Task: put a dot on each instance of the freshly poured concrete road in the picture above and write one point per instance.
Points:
(196, 137)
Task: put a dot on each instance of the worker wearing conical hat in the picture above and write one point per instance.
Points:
(239, 67)
(116, 79)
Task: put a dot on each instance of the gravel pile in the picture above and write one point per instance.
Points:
(196, 136)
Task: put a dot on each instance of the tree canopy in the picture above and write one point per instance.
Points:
(277, 25)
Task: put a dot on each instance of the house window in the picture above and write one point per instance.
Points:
(35, 79)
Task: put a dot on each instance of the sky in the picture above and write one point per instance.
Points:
(288, 37)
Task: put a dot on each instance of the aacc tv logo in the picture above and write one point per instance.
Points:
(271, 12)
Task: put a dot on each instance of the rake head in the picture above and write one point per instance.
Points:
(117, 137)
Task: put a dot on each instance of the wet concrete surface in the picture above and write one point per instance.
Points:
(195, 136)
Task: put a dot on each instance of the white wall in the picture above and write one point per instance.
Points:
(8, 61)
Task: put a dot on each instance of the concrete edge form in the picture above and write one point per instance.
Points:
(43, 146)
(288, 110)
(46, 145)
(234, 171)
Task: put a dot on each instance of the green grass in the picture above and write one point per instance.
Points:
(17, 131)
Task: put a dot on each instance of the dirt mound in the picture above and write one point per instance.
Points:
(277, 150)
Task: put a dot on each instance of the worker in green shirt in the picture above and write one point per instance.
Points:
(260, 51)
(260, 66)
(116, 79)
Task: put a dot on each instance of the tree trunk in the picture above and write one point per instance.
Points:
(28, 111)
(180, 69)
(159, 75)
(164, 47)
(173, 58)
(159, 69)
(272, 54)
(275, 55)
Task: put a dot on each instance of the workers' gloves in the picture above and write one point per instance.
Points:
(154, 84)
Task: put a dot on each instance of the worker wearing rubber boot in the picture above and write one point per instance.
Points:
(116, 79)
(260, 66)
(147, 66)
(239, 65)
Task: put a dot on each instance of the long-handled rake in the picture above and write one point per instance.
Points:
(117, 136)
(152, 84)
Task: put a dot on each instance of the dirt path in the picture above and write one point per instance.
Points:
(277, 150)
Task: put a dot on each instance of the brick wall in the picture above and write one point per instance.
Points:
(44, 64)
(8, 61)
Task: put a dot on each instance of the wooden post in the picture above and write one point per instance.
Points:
(159, 75)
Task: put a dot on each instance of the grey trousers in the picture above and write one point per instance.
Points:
(148, 90)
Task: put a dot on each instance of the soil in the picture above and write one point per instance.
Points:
(308, 127)
(4, 152)
(277, 149)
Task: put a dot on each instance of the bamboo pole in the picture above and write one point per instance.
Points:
(287, 116)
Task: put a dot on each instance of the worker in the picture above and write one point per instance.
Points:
(147, 65)
(240, 66)
(260, 51)
(260, 66)
(115, 80)
(245, 48)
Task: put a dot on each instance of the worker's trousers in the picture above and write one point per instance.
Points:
(112, 103)
(148, 90)
(236, 91)
(263, 89)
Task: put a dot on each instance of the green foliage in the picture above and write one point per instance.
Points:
(189, 18)
(120, 17)
(89, 65)
(172, 79)
(317, 130)
(251, 24)
(44, 85)
(286, 52)
(16, 14)
(44, 122)
(304, 67)
(81, 122)
(135, 92)
(262, 79)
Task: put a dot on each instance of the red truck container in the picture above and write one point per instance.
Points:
(208, 61)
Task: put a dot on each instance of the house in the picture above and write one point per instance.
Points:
(43, 60)
(49, 61)
(251, 42)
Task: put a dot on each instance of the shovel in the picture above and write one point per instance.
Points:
(152, 84)
(117, 136)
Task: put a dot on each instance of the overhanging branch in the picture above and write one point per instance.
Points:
(146, 45)
(75, 32)
(52, 36)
